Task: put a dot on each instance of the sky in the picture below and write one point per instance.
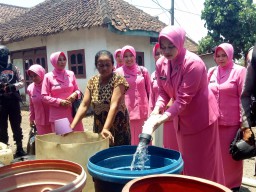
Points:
(187, 13)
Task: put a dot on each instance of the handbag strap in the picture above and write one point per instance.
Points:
(81, 95)
(239, 135)
(210, 75)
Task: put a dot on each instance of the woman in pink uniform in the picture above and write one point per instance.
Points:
(136, 97)
(226, 82)
(168, 133)
(59, 90)
(118, 58)
(154, 86)
(183, 77)
(38, 111)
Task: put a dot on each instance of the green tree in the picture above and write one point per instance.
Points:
(232, 21)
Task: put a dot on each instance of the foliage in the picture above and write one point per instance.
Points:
(231, 21)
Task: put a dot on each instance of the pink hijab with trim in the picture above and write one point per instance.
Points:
(117, 51)
(54, 59)
(157, 46)
(37, 69)
(176, 35)
(130, 48)
(115, 56)
(132, 68)
(229, 50)
(59, 73)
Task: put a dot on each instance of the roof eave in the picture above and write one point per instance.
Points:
(144, 33)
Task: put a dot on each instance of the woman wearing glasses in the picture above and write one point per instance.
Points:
(105, 93)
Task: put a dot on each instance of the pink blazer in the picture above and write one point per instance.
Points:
(194, 107)
(154, 92)
(136, 98)
(227, 90)
(54, 90)
(39, 111)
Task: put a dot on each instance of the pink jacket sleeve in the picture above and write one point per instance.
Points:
(240, 83)
(210, 72)
(163, 97)
(146, 76)
(152, 95)
(186, 88)
(148, 81)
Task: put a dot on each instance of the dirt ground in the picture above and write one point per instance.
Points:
(249, 164)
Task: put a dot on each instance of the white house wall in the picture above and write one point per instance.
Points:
(141, 44)
(91, 40)
(208, 60)
(26, 44)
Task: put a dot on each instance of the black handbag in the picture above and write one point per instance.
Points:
(240, 149)
(31, 141)
(76, 104)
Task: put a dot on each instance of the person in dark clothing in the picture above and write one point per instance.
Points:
(248, 92)
(10, 82)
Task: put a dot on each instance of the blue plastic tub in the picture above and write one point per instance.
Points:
(110, 168)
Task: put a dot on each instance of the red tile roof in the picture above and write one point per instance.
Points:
(8, 12)
(54, 16)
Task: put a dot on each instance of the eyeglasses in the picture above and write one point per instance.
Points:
(102, 65)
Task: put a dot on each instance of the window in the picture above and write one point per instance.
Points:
(76, 63)
(31, 56)
(140, 58)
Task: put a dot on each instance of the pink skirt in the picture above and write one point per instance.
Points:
(201, 154)
(136, 129)
(233, 170)
(43, 129)
(170, 138)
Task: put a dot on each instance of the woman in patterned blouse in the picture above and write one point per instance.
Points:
(105, 93)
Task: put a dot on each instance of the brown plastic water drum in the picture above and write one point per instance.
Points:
(172, 182)
(77, 147)
(43, 176)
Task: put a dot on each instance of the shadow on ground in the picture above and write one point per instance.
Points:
(244, 189)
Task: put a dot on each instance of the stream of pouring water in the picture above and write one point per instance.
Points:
(140, 157)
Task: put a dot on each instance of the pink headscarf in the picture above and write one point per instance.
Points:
(54, 59)
(157, 45)
(132, 68)
(116, 52)
(229, 50)
(115, 56)
(130, 48)
(177, 36)
(37, 69)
